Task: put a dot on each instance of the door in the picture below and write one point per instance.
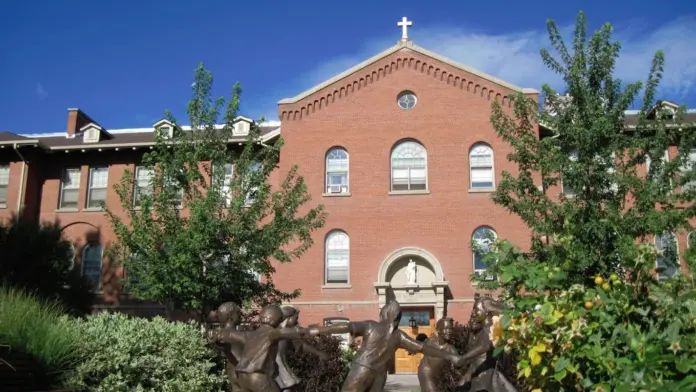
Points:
(425, 324)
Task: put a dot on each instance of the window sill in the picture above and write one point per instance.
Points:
(481, 190)
(93, 209)
(344, 194)
(68, 210)
(337, 286)
(3, 206)
(397, 193)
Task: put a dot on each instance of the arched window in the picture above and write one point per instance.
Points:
(409, 167)
(92, 263)
(481, 171)
(337, 257)
(337, 171)
(483, 237)
(668, 259)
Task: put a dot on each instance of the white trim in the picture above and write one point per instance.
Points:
(677, 268)
(473, 252)
(410, 251)
(89, 184)
(326, 172)
(472, 167)
(391, 168)
(399, 46)
(326, 258)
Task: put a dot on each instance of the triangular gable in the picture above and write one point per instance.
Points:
(399, 46)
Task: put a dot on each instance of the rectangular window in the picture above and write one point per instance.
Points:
(408, 178)
(337, 261)
(252, 192)
(143, 184)
(98, 182)
(69, 188)
(337, 173)
(226, 185)
(4, 183)
(178, 198)
(565, 188)
(481, 161)
(687, 167)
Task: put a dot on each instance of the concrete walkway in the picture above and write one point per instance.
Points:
(402, 383)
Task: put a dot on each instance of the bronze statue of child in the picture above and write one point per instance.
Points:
(286, 378)
(430, 368)
(257, 368)
(482, 373)
(381, 339)
(229, 316)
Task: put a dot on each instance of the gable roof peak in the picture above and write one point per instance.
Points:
(406, 44)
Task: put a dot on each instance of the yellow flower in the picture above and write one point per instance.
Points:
(496, 331)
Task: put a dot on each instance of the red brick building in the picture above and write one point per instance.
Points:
(399, 149)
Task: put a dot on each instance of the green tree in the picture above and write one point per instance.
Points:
(586, 311)
(587, 147)
(208, 222)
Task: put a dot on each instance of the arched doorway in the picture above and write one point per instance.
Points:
(414, 277)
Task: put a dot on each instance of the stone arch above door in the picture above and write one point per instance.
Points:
(430, 285)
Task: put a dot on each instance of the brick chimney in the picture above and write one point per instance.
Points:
(76, 120)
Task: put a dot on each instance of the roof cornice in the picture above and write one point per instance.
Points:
(399, 46)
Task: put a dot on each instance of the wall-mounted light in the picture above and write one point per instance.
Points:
(412, 322)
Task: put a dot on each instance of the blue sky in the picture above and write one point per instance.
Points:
(125, 62)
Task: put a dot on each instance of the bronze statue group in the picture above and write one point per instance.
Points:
(256, 360)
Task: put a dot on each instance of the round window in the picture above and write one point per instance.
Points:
(407, 100)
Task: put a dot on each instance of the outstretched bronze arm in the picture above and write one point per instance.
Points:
(287, 333)
(482, 348)
(227, 335)
(353, 328)
(308, 348)
(431, 351)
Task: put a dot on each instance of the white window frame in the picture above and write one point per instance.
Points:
(97, 284)
(228, 176)
(4, 183)
(137, 188)
(677, 268)
(479, 148)
(248, 198)
(689, 165)
(91, 187)
(567, 191)
(73, 187)
(398, 148)
(482, 242)
(180, 197)
(342, 188)
(328, 249)
(665, 159)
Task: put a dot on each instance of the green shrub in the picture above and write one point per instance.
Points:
(136, 354)
(38, 328)
(321, 375)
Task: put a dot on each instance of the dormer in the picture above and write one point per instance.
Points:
(666, 108)
(242, 125)
(91, 133)
(164, 128)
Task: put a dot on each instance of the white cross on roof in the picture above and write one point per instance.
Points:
(404, 27)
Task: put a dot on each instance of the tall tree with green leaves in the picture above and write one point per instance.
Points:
(585, 309)
(587, 148)
(206, 222)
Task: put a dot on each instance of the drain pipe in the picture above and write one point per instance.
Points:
(23, 179)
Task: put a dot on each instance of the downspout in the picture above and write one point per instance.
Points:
(22, 184)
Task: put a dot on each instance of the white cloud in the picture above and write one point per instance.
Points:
(41, 91)
(515, 57)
